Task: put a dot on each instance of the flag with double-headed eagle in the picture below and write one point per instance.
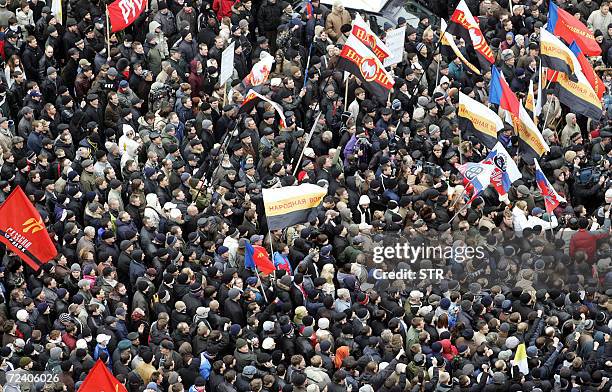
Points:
(359, 60)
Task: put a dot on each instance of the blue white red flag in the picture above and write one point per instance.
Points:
(505, 171)
(551, 197)
(478, 175)
(501, 94)
(309, 9)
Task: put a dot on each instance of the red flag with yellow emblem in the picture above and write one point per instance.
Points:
(22, 230)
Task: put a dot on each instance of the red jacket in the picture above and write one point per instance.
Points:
(223, 8)
(585, 241)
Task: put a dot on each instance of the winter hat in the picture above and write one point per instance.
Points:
(512, 342)
(268, 343)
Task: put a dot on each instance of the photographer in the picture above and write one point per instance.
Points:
(587, 189)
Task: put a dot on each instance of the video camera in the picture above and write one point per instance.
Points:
(588, 175)
(430, 168)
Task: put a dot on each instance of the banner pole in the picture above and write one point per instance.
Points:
(224, 93)
(552, 232)
(457, 213)
(457, 199)
(346, 94)
(297, 165)
(261, 286)
(108, 56)
(271, 246)
(438, 69)
(307, 64)
(460, 154)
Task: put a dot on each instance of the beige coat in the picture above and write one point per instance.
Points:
(334, 22)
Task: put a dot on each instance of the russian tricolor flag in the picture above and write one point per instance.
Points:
(505, 172)
(309, 10)
(501, 94)
(551, 197)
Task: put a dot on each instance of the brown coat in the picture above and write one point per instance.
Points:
(334, 22)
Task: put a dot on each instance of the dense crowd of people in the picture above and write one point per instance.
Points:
(149, 176)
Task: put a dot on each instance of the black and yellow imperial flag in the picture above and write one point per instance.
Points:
(291, 205)
(478, 120)
(556, 55)
(579, 95)
(360, 61)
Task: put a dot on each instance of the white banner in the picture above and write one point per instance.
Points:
(395, 42)
(227, 64)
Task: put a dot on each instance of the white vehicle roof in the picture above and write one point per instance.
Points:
(365, 5)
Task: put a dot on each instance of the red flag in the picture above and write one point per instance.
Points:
(123, 13)
(565, 25)
(262, 259)
(22, 230)
(100, 379)
(256, 256)
(588, 71)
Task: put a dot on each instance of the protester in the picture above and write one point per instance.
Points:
(148, 172)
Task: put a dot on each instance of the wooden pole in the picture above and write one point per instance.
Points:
(261, 286)
(271, 246)
(346, 94)
(224, 93)
(460, 154)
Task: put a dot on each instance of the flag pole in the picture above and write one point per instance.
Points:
(308, 64)
(460, 154)
(551, 78)
(297, 165)
(107, 34)
(457, 199)
(224, 93)
(271, 246)
(346, 93)
(457, 213)
(263, 290)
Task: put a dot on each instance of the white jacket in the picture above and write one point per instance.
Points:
(533, 221)
(519, 221)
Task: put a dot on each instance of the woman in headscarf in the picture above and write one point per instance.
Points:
(153, 209)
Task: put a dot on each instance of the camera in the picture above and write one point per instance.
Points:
(588, 175)
(429, 168)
